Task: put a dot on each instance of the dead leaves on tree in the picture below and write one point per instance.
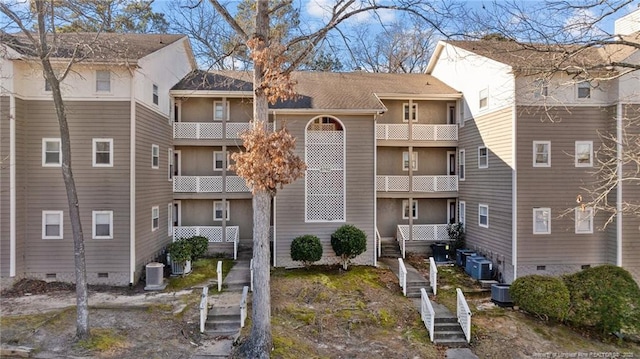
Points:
(276, 84)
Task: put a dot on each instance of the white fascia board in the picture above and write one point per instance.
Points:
(401, 96)
(434, 57)
(331, 111)
(206, 93)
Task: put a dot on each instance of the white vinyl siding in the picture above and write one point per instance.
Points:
(584, 220)
(541, 154)
(461, 165)
(155, 156)
(405, 161)
(51, 152)
(52, 225)
(584, 154)
(102, 225)
(483, 157)
(541, 221)
(103, 152)
(219, 211)
(405, 209)
(103, 81)
(483, 215)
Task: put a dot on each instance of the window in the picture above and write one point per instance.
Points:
(483, 215)
(451, 113)
(584, 89)
(406, 113)
(47, 85)
(405, 209)
(483, 157)
(102, 152)
(170, 161)
(155, 94)
(155, 156)
(484, 98)
(462, 212)
(405, 161)
(541, 221)
(51, 152)
(584, 220)
(218, 110)
(584, 153)
(102, 224)
(218, 161)
(52, 225)
(220, 211)
(170, 219)
(461, 165)
(541, 88)
(541, 154)
(155, 218)
(103, 81)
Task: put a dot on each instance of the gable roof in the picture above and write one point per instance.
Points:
(328, 90)
(94, 47)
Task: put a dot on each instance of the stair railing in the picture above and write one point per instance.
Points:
(402, 276)
(427, 313)
(433, 275)
(204, 307)
(251, 277)
(464, 314)
(219, 272)
(243, 306)
(379, 242)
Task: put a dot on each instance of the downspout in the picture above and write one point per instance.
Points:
(132, 180)
(375, 187)
(514, 186)
(12, 185)
(619, 185)
(224, 175)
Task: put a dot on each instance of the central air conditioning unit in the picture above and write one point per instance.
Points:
(479, 268)
(155, 276)
(500, 295)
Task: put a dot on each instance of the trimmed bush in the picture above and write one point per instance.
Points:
(348, 242)
(180, 250)
(545, 296)
(605, 297)
(306, 249)
(199, 246)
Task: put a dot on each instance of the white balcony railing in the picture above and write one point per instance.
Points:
(427, 313)
(208, 184)
(464, 314)
(420, 183)
(419, 132)
(209, 130)
(212, 233)
(423, 232)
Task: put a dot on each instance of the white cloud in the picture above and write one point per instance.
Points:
(322, 9)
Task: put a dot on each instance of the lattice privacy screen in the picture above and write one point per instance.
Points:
(324, 155)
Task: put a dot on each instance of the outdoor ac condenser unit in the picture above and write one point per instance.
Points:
(155, 276)
(500, 294)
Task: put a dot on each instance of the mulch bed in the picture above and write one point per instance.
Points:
(30, 286)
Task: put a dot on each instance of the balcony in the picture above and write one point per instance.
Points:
(423, 232)
(212, 233)
(400, 132)
(208, 184)
(210, 130)
(420, 184)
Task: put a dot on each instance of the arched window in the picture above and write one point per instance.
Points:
(325, 176)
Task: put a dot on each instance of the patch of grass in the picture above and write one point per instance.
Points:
(289, 346)
(32, 322)
(202, 270)
(103, 340)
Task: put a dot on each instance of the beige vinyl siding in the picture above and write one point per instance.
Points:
(4, 187)
(630, 222)
(430, 211)
(557, 187)
(490, 186)
(200, 109)
(198, 160)
(105, 188)
(360, 181)
(429, 112)
(431, 161)
(612, 230)
(152, 186)
(200, 213)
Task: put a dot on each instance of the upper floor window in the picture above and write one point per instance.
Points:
(52, 225)
(218, 161)
(103, 152)
(220, 210)
(483, 215)
(461, 165)
(483, 157)
(405, 161)
(47, 85)
(155, 156)
(541, 221)
(541, 88)
(155, 98)
(155, 218)
(170, 219)
(170, 164)
(584, 220)
(584, 89)
(51, 152)
(405, 209)
(483, 97)
(409, 112)
(219, 112)
(451, 114)
(103, 81)
(541, 154)
(584, 153)
(462, 212)
(102, 224)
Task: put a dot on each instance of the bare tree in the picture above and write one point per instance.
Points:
(41, 45)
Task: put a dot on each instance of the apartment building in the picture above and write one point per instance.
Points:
(121, 138)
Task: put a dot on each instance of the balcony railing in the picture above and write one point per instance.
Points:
(420, 183)
(212, 233)
(423, 232)
(208, 184)
(419, 132)
(209, 130)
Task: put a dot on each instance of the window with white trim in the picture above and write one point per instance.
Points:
(541, 153)
(103, 81)
(155, 98)
(483, 157)
(51, 152)
(451, 114)
(405, 161)
(170, 163)
(52, 225)
(462, 212)
(461, 165)
(218, 160)
(483, 97)
(584, 220)
(219, 110)
(540, 88)
(483, 215)
(584, 89)
(103, 152)
(405, 209)
(410, 112)
(102, 224)
(584, 153)
(541, 220)
(170, 219)
(155, 156)
(220, 210)
(155, 218)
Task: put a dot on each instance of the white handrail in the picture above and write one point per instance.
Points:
(400, 236)
(464, 314)
(427, 313)
(402, 276)
(243, 306)
(219, 271)
(204, 308)
(251, 270)
(235, 248)
(433, 275)
(379, 242)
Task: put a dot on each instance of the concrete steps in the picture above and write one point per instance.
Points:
(389, 248)
(448, 332)
(414, 286)
(223, 321)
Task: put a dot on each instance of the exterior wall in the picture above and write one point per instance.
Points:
(557, 187)
(4, 187)
(21, 188)
(628, 24)
(430, 211)
(431, 161)
(628, 84)
(200, 109)
(152, 187)
(562, 90)
(360, 194)
(199, 212)
(6, 72)
(491, 186)
(105, 188)
(631, 193)
(429, 112)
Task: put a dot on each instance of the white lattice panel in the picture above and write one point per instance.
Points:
(397, 132)
(210, 184)
(212, 233)
(236, 184)
(441, 232)
(318, 159)
(381, 132)
(398, 183)
(381, 183)
(423, 132)
(424, 232)
(210, 130)
(325, 208)
(329, 182)
(232, 233)
(184, 232)
(185, 183)
(325, 137)
(324, 179)
(234, 129)
(185, 130)
(446, 183)
(424, 183)
(446, 133)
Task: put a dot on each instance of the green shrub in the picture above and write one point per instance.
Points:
(180, 250)
(348, 242)
(605, 297)
(544, 296)
(199, 246)
(456, 234)
(306, 249)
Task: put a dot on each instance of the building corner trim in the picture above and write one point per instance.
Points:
(619, 150)
(132, 183)
(12, 185)
(514, 191)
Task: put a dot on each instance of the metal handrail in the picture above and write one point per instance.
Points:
(402, 276)
(427, 313)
